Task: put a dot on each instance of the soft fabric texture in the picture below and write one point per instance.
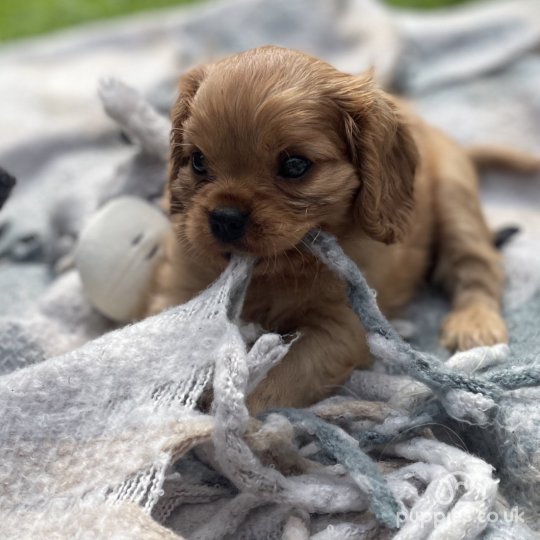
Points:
(100, 435)
(104, 427)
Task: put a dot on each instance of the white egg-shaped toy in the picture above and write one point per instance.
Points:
(117, 253)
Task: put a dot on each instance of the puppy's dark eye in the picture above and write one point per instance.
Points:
(294, 167)
(198, 162)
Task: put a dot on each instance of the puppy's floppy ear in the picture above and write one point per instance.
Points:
(383, 151)
(188, 86)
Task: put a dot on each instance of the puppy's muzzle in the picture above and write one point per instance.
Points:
(228, 224)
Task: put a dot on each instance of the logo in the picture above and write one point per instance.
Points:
(444, 492)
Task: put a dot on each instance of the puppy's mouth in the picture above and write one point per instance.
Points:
(228, 255)
(259, 249)
(246, 251)
(266, 260)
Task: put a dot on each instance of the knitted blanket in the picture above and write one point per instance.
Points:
(101, 436)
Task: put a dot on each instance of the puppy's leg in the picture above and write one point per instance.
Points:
(331, 345)
(468, 264)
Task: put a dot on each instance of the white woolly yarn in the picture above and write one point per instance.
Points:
(240, 465)
(467, 514)
(479, 358)
(405, 392)
(468, 407)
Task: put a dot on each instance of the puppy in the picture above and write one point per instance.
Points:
(271, 143)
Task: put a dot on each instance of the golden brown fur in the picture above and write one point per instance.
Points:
(391, 188)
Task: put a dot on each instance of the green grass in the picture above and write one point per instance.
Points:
(22, 18)
(424, 4)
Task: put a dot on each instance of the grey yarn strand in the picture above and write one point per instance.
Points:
(423, 367)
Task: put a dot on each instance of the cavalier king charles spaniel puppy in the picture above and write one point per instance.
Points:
(271, 143)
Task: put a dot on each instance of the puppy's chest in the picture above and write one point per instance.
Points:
(285, 304)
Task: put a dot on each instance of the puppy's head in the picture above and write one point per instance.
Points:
(271, 143)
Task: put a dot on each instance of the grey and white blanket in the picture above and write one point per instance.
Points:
(100, 436)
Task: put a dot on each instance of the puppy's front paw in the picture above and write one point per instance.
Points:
(473, 326)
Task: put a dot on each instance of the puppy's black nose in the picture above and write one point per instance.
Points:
(228, 224)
